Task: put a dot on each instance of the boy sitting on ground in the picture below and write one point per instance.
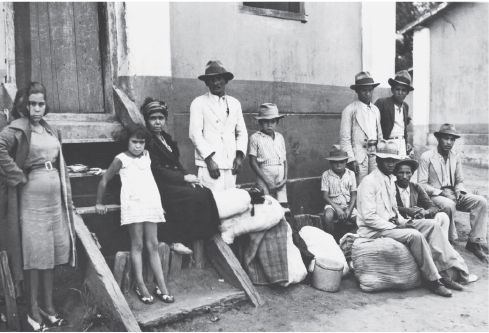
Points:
(339, 187)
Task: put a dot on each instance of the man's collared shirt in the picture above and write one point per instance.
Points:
(445, 171)
(390, 185)
(268, 150)
(371, 119)
(223, 104)
(405, 196)
(398, 129)
(339, 189)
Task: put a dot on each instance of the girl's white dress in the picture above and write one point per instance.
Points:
(140, 199)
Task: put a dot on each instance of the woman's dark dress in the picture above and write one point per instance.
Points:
(191, 213)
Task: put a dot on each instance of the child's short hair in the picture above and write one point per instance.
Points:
(137, 130)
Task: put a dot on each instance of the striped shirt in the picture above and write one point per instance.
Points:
(268, 151)
(339, 189)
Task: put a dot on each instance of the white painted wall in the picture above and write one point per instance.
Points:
(3, 47)
(379, 40)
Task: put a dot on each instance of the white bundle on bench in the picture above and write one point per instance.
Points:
(384, 263)
(295, 265)
(231, 202)
(323, 245)
(266, 216)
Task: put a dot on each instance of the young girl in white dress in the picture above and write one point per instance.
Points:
(140, 207)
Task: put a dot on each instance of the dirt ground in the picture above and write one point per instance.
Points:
(303, 308)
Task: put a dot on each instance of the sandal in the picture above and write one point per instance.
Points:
(180, 248)
(36, 327)
(145, 299)
(55, 320)
(164, 297)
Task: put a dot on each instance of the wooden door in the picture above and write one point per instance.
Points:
(57, 44)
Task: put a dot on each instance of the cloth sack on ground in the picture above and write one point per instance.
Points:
(231, 202)
(384, 263)
(297, 269)
(266, 216)
(323, 245)
(346, 243)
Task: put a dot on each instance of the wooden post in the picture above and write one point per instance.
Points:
(175, 264)
(127, 274)
(119, 265)
(8, 287)
(199, 254)
(229, 268)
(164, 251)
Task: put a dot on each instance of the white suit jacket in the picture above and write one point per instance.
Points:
(373, 202)
(353, 134)
(210, 131)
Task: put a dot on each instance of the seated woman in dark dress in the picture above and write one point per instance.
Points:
(190, 209)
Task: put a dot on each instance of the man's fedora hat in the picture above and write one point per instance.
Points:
(336, 154)
(402, 77)
(215, 68)
(363, 79)
(388, 149)
(407, 161)
(447, 129)
(268, 111)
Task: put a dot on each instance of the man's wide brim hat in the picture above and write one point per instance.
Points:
(448, 129)
(215, 68)
(268, 111)
(363, 79)
(336, 154)
(407, 161)
(402, 77)
(388, 149)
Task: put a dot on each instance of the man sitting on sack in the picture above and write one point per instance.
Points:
(378, 217)
(440, 174)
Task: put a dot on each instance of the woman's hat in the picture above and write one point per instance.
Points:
(388, 149)
(363, 79)
(268, 111)
(215, 68)
(447, 129)
(412, 163)
(336, 154)
(402, 77)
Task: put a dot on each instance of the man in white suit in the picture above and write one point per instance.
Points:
(360, 127)
(217, 130)
(378, 216)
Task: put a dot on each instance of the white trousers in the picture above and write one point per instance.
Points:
(275, 173)
(226, 181)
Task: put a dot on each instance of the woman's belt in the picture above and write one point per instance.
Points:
(45, 165)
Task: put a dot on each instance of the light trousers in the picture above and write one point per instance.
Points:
(226, 181)
(368, 165)
(275, 173)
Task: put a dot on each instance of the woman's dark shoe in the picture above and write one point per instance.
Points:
(145, 299)
(438, 288)
(476, 249)
(164, 297)
(55, 320)
(36, 327)
(450, 284)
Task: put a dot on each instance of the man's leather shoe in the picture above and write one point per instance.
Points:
(477, 251)
(450, 284)
(438, 288)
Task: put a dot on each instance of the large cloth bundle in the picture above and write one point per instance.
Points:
(384, 263)
(323, 246)
(297, 270)
(265, 216)
(231, 202)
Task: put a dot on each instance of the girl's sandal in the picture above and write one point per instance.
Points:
(145, 299)
(55, 320)
(36, 327)
(164, 297)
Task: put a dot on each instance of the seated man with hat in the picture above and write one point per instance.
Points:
(394, 111)
(440, 174)
(412, 200)
(378, 217)
(217, 130)
(360, 127)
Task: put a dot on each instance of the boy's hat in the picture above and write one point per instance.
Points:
(388, 149)
(447, 129)
(407, 161)
(402, 77)
(268, 111)
(336, 154)
(363, 79)
(215, 68)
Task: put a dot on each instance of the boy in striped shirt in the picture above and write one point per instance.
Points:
(267, 154)
(339, 187)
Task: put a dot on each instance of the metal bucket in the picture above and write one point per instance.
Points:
(327, 275)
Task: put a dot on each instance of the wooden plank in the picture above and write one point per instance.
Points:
(63, 44)
(127, 275)
(119, 265)
(9, 289)
(175, 264)
(125, 109)
(164, 251)
(229, 268)
(88, 57)
(91, 210)
(199, 257)
(22, 43)
(35, 47)
(101, 282)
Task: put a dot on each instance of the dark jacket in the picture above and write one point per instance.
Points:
(387, 116)
(419, 198)
(14, 149)
(165, 164)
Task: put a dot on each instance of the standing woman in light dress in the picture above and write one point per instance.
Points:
(39, 214)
